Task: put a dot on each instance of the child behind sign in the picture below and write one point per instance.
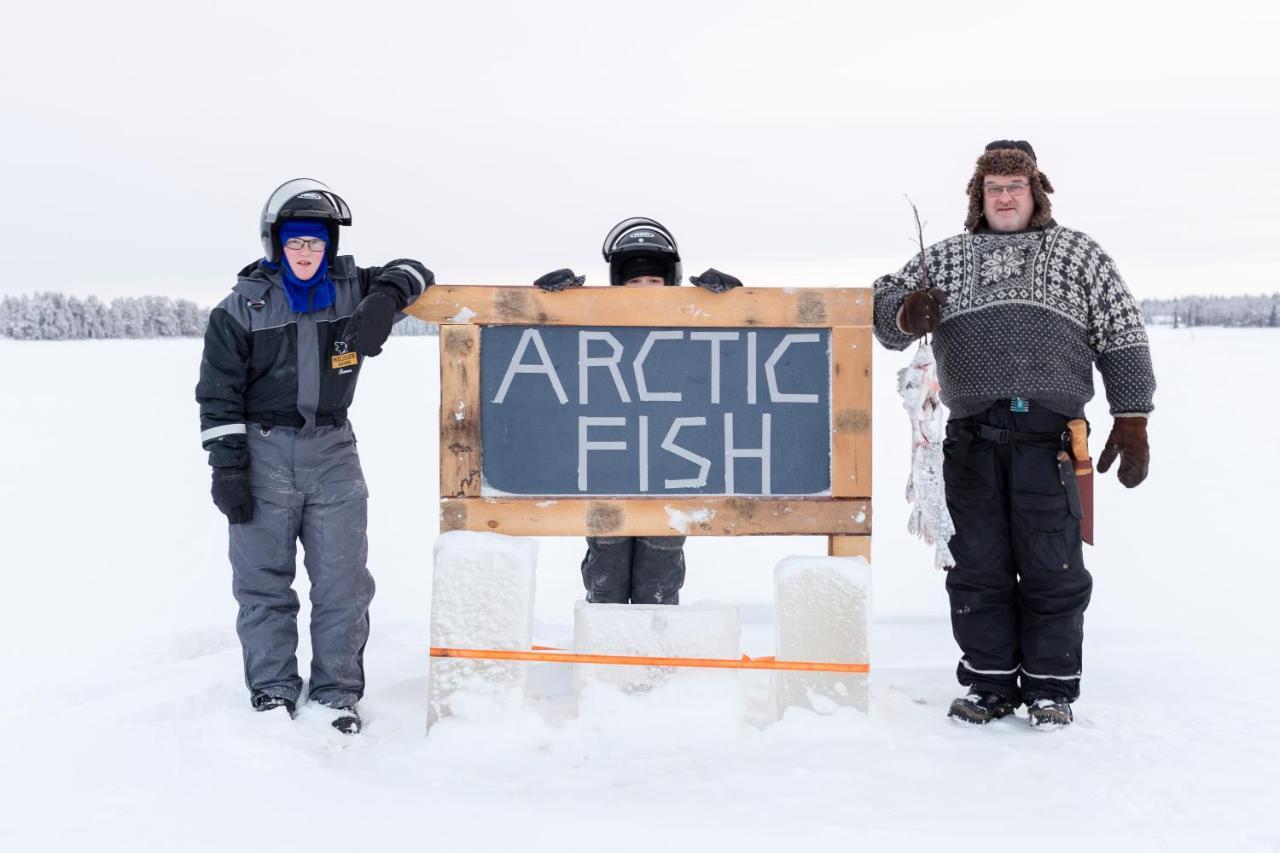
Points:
(637, 569)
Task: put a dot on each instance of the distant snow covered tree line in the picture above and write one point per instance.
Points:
(52, 316)
(1238, 311)
(58, 317)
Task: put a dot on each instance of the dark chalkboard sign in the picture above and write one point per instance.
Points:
(681, 386)
(637, 411)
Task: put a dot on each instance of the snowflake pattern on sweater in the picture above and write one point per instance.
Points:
(1029, 314)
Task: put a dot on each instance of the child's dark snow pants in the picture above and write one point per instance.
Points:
(634, 569)
(1019, 588)
(308, 487)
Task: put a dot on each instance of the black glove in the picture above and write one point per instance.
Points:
(231, 494)
(404, 277)
(371, 322)
(715, 281)
(922, 311)
(559, 280)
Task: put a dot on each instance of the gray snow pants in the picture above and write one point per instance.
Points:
(634, 569)
(307, 485)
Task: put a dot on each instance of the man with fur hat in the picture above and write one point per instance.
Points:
(1021, 310)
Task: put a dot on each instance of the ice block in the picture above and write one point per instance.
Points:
(481, 598)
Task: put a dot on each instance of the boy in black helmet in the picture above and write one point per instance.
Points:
(281, 357)
(637, 569)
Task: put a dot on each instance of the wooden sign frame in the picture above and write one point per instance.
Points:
(844, 516)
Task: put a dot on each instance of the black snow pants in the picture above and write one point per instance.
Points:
(634, 569)
(1019, 587)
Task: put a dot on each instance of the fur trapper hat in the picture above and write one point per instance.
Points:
(1009, 157)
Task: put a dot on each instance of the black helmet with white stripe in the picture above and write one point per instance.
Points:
(301, 198)
(641, 246)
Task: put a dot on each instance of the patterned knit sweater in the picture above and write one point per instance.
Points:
(1029, 314)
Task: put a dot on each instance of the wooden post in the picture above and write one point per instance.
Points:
(849, 546)
(851, 411)
(459, 411)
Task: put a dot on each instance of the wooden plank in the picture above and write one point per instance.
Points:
(691, 516)
(850, 412)
(849, 546)
(484, 305)
(459, 411)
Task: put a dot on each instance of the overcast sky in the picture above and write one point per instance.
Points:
(496, 141)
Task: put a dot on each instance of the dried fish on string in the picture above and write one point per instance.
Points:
(926, 489)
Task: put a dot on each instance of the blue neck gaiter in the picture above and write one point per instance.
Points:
(317, 292)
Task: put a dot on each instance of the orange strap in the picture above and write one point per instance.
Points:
(546, 653)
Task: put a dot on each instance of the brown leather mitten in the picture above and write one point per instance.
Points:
(922, 311)
(1128, 440)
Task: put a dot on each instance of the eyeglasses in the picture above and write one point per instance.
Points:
(1015, 190)
(315, 244)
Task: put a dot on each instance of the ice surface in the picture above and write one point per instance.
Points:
(657, 630)
(823, 614)
(482, 598)
(129, 725)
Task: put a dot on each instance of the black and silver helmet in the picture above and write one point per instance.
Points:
(641, 237)
(301, 198)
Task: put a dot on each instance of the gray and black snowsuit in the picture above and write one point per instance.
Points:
(1029, 315)
(274, 390)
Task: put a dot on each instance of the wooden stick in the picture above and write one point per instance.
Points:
(924, 266)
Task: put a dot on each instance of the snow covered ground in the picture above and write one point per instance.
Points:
(126, 727)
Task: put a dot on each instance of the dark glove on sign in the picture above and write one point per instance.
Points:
(403, 278)
(231, 494)
(371, 322)
(715, 281)
(559, 280)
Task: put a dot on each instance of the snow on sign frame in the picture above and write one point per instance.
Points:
(623, 497)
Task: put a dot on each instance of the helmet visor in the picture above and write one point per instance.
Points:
(300, 190)
(620, 231)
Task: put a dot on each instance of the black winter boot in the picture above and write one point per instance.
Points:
(267, 702)
(978, 709)
(1049, 714)
(347, 720)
